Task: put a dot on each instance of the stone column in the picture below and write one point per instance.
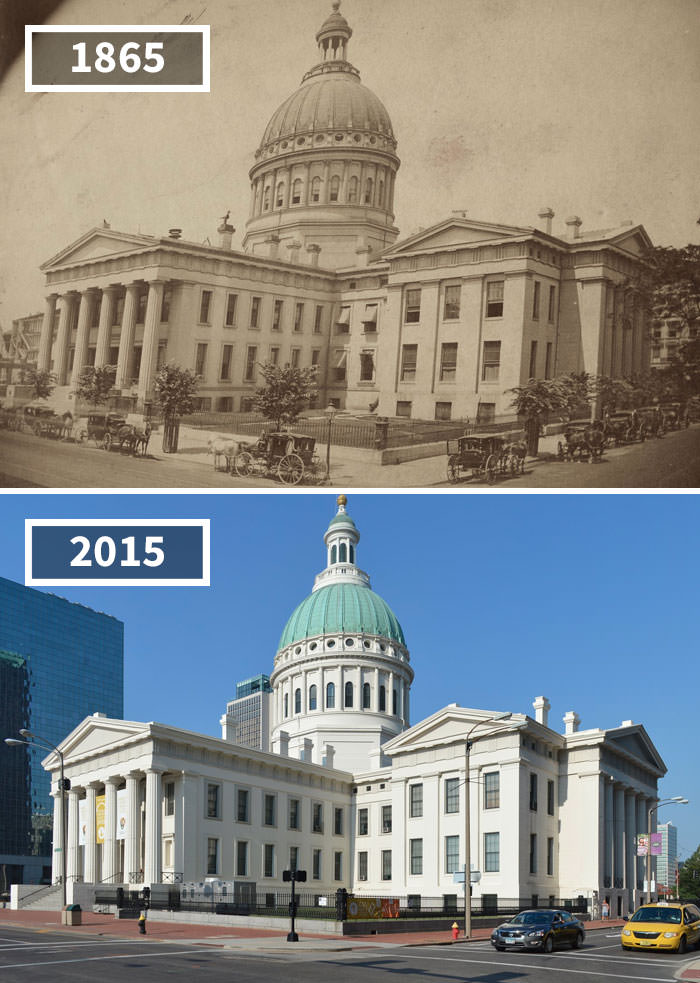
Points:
(126, 337)
(306, 193)
(326, 190)
(340, 698)
(90, 872)
(608, 866)
(304, 692)
(58, 867)
(109, 847)
(375, 695)
(641, 828)
(321, 689)
(650, 826)
(132, 852)
(63, 338)
(407, 703)
(188, 846)
(630, 848)
(46, 337)
(390, 694)
(618, 850)
(81, 334)
(150, 339)
(104, 328)
(152, 873)
(73, 859)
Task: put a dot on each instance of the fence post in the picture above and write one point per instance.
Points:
(341, 904)
(381, 433)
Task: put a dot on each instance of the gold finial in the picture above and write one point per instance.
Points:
(341, 500)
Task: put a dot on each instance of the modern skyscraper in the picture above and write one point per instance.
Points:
(247, 718)
(59, 662)
(667, 861)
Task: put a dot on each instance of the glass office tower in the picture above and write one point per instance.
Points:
(59, 663)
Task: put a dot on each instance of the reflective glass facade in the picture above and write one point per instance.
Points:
(59, 663)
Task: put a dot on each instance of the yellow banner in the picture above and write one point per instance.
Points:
(99, 818)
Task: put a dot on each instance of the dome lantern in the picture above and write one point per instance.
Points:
(333, 36)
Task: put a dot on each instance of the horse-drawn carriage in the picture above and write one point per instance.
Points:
(484, 456)
(108, 430)
(40, 420)
(653, 420)
(582, 442)
(674, 416)
(624, 427)
(288, 456)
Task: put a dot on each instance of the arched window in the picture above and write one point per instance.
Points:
(286, 704)
(352, 553)
(335, 188)
(312, 698)
(348, 694)
(279, 197)
(380, 194)
(334, 553)
(297, 700)
(352, 189)
(343, 557)
(382, 698)
(266, 198)
(316, 189)
(296, 191)
(330, 696)
(369, 188)
(395, 703)
(365, 696)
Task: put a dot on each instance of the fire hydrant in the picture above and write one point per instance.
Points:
(455, 931)
(142, 923)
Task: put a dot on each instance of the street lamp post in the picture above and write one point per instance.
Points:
(675, 799)
(330, 412)
(33, 740)
(497, 718)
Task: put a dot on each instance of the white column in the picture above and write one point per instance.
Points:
(90, 873)
(150, 339)
(104, 327)
(188, 857)
(63, 338)
(340, 698)
(109, 847)
(618, 852)
(375, 695)
(641, 828)
(73, 859)
(132, 852)
(322, 689)
(152, 867)
(630, 848)
(407, 705)
(58, 862)
(608, 866)
(81, 334)
(126, 337)
(390, 695)
(46, 337)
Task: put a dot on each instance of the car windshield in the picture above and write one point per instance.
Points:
(530, 917)
(669, 915)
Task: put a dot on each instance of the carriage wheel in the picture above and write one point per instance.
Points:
(107, 441)
(454, 471)
(514, 464)
(82, 437)
(290, 470)
(491, 468)
(37, 429)
(243, 463)
(642, 432)
(313, 472)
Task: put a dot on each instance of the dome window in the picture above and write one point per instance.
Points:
(335, 186)
(366, 644)
(352, 189)
(331, 644)
(286, 704)
(296, 191)
(352, 553)
(382, 646)
(349, 642)
(334, 554)
(316, 187)
(339, 137)
(266, 199)
(313, 646)
(357, 138)
(279, 197)
(330, 696)
(380, 194)
(284, 145)
(395, 702)
(369, 188)
(365, 696)
(297, 701)
(343, 553)
(382, 699)
(297, 650)
(313, 700)
(301, 140)
(348, 695)
(319, 138)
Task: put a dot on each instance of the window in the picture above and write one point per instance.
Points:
(242, 810)
(492, 858)
(142, 302)
(550, 855)
(382, 698)
(548, 361)
(451, 854)
(492, 361)
(415, 801)
(277, 315)
(318, 320)
(412, 310)
(274, 354)
(213, 793)
(230, 318)
(226, 355)
(279, 197)
(352, 189)
(452, 300)
(204, 305)
(552, 302)
(330, 696)
(362, 822)
(366, 695)
(293, 857)
(269, 860)
(250, 359)
(295, 357)
(368, 191)
(337, 821)
(533, 853)
(316, 865)
(269, 810)
(416, 856)
(254, 311)
(380, 194)
(348, 695)
(369, 318)
(241, 859)
(443, 411)
(394, 702)
(367, 365)
(532, 374)
(494, 298)
(317, 818)
(362, 866)
(266, 198)
(316, 189)
(313, 698)
(492, 790)
(200, 360)
(298, 317)
(448, 361)
(550, 798)
(536, 300)
(315, 356)
(169, 795)
(452, 795)
(386, 819)
(386, 865)
(297, 701)
(409, 360)
(334, 188)
(342, 324)
(212, 856)
(533, 793)
(296, 191)
(168, 858)
(341, 358)
(294, 814)
(164, 306)
(486, 413)
(337, 865)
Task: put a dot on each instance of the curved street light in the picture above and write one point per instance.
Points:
(33, 740)
(673, 800)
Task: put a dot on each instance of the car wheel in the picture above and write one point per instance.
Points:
(578, 941)
(682, 945)
(547, 944)
(500, 948)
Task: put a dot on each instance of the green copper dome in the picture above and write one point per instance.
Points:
(341, 608)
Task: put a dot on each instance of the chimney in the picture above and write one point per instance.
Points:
(546, 214)
(225, 231)
(362, 253)
(574, 224)
(283, 743)
(571, 722)
(293, 246)
(542, 707)
(273, 242)
(627, 723)
(328, 755)
(175, 233)
(306, 748)
(313, 249)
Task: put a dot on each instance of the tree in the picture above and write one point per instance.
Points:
(689, 876)
(612, 394)
(535, 401)
(174, 390)
(95, 384)
(667, 283)
(287, 391)
(42, 382)
(580, 387)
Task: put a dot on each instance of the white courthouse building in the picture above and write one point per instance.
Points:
(351, 791)
(437, 325)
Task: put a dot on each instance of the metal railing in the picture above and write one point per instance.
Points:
(417, 906)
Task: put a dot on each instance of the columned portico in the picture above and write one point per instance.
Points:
(109, 847)
(150, 339)
(46, 337)
(153, 864)
(65, 323)
(90, 871)
(132, 857)
(59, 860)
(73, 859)
(126, 338)
(104, 326)
(619, 836)
(87, 299)
(630, 848)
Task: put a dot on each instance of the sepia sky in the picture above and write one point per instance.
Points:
(499, 107)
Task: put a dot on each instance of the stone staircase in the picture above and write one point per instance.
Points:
(49, 898)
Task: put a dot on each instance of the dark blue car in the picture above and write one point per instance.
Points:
(544, 930)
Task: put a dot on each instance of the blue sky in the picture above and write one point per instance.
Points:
(590, 600)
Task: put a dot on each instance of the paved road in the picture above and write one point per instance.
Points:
(40, 957)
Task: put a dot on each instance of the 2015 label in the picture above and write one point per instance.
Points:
(104, 550)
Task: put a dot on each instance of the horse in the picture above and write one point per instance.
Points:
(516, 451)
(224, 447)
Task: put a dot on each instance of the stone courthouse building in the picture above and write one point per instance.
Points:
(436, 326)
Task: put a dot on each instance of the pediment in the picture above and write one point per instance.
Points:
(95, 734)
(448, 726)
(98, 244)
(633, 241)
(452, 233)
(636, 742)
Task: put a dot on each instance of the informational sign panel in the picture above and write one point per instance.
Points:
(121, 814)
(99, 818)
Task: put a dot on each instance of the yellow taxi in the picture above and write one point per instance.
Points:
(669, 925)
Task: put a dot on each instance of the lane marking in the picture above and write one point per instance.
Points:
(91, 959)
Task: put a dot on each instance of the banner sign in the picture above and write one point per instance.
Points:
(82, 821)
(99, 819)
(373, 908)
(642, 845)
(656, 844)
(121, 814)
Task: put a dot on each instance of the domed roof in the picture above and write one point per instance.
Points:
(342, 607)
